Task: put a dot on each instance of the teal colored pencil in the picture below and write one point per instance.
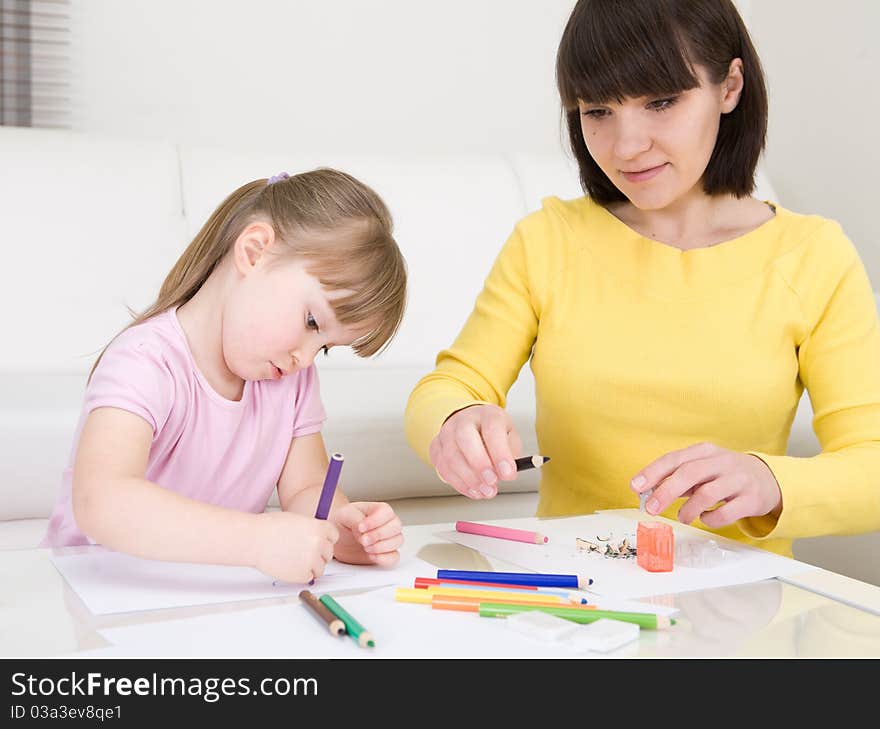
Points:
(352, 626)
(577, 615)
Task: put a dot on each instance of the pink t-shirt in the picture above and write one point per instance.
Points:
(204, 446)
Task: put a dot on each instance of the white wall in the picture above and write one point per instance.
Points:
(401, 75)
(822, 60)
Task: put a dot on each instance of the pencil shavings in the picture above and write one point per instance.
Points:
(607, 547)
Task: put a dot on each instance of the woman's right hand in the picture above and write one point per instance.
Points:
(292, 547)
(476, 448)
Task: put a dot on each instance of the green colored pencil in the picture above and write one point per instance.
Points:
(352, 626)
(577, 615)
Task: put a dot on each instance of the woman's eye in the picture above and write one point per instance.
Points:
(662, 104)
(310, 322)
(594, 113)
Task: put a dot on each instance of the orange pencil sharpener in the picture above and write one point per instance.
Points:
(654, 546)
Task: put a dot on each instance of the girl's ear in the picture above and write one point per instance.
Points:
(251, 246)
(732, 86)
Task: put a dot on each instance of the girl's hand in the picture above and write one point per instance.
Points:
(708, 474)
(292, 547)
(474, 449)
(369, 533)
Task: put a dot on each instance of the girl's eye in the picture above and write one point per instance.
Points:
(311, 323)
(662, 104)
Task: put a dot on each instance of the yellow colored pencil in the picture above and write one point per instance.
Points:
(469, 603)
(412, 594)
(502, 595)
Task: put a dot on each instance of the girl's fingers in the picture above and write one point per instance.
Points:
(375, 514)
(350, 516)
(386, 531)
(327, 553)
(386, 559)
(318, 568)
(391, 544)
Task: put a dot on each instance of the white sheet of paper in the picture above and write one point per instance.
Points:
(112, 582)
(623, 578)
(399, 629)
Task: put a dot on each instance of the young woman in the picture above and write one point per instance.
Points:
(671, 320)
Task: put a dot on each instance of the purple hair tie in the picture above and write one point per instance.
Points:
(277, 178)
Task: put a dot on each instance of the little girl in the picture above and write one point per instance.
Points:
(209, 399)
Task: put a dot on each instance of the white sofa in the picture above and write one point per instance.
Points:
(92, 225)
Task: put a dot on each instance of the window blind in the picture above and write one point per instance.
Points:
(35, 63)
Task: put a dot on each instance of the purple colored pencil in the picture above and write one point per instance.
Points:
(329, 488)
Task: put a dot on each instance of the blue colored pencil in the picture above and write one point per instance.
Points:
(517, 578)
(329, 488)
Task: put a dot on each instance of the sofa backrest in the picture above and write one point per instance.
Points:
(91, 224)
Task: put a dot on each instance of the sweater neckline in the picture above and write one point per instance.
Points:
(669, 272)
(759, 229)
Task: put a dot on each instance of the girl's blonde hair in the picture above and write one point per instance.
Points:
(338, 225)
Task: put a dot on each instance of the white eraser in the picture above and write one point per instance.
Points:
(541, 625)
(693, 553)
(604, 635)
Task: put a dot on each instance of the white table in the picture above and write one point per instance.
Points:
(824, 615)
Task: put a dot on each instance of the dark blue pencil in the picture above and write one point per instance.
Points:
(517, 578)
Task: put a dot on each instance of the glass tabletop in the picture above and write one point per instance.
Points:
(41, 615)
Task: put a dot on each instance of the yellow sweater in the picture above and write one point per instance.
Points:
(639, 348)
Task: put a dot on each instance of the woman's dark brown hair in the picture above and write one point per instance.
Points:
(614, 49)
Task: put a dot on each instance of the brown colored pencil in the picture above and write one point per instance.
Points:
(334, 624)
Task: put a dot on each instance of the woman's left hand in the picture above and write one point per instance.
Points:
(706, 475)
(369, 533)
